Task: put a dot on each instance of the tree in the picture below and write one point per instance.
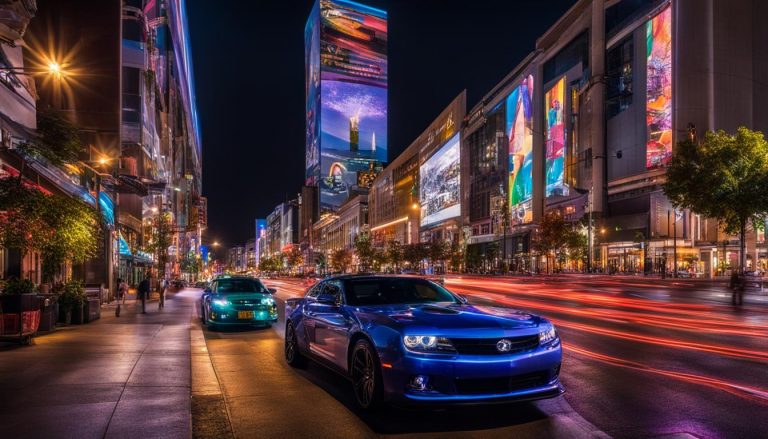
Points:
(59, 227)
(552, 235)
(577, 244)
(379, 258)
(394, 253)
(341, 259)
(364, 250)
(437, 251)
(75, 233)
(57, 139)
(293, 257)
(269, 264)
(415, 253)
(723, 177)
(160, 239)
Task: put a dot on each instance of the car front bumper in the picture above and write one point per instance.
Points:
(231, 317)
(462, 379)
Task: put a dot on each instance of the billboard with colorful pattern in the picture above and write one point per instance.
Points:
(519, 125)
(554, 168)
(659, 90)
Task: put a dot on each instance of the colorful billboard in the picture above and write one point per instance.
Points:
(519, 110)
(658, 113)
(554, 168)
(312, 94)
(352, 122)
(439, 184)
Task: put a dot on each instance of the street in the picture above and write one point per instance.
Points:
(643, 358)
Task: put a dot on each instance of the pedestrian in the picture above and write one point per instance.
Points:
(122, 291)
(737, 288)
(143, 292)
(163, 287)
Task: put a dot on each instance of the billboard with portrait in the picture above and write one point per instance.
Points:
(439, 184)
(659, 90)
(519, 126)
(353, 96)
(554, 167)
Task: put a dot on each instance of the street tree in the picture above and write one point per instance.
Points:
(293, 258)
(394, 252)
(437, 251)
(341, 259)
(725, 177)
(160, 238)
(552, 236)
(365, 251)
(577, 244)
(415, 253)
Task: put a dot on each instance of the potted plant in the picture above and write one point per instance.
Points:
(71, 301)
(17, 298)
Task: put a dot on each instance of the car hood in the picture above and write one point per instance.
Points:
(241, 296)
(450, 319)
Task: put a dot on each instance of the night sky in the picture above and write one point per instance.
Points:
(249, 73)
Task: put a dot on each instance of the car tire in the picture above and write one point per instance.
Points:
(202, 315)
(365, 372)
(292, 354)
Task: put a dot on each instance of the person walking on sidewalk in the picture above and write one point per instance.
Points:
(737, 287)
(143, 293)
(163, 288)
(122, 291)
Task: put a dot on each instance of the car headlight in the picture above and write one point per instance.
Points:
(268, 301)
(220, 302)
(427, 343)
(548, 336)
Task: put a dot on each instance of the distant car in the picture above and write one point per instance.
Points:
(756, 273)
(311, 279)
(407, 339)
(238, 300)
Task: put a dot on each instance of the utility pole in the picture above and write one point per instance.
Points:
(674, 247)
(590, 242)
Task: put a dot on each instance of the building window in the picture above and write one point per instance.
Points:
(619, 76)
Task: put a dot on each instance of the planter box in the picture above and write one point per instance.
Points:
(92, 309)
(16, 309)
(77, 315)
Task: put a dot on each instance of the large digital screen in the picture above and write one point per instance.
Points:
(659, 90)
(312, 93)
(554, 168)
(353, 96)
(439, 184)
(519, 122)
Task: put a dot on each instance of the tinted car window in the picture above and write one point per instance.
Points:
(314, 291)
(239, 286)
(394, 291)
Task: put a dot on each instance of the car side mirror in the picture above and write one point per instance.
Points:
(327, 299)
(272, 290)
(462, 298)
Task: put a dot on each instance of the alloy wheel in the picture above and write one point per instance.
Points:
(364, 375)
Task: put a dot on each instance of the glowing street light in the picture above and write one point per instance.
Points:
(54, 69)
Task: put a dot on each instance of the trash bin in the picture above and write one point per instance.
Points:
(49, 312)
(92, 306)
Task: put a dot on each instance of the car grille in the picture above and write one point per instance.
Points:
(487, 346)
(480, 386)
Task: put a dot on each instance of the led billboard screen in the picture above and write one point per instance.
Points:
(554, 167)
(519, 110)
(439, 184)
(312, 93)
(658, 113)
(353, 96)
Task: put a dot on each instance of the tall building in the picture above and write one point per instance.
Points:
(587, 123)
(129, 89)
(346, 97)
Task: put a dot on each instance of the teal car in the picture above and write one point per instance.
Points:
(238, 300)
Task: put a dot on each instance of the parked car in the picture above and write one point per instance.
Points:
(409, 340)
(238, 300)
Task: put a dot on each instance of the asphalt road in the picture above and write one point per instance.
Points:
(643, 358)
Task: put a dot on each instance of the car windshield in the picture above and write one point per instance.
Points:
(389, 291)
(224, 286)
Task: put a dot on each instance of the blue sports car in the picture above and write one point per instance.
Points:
(409, 340)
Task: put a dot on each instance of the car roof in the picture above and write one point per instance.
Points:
(374, 276)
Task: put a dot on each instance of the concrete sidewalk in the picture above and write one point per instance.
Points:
(117, 377)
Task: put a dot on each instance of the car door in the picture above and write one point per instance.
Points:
(332, 324)
(307, 321)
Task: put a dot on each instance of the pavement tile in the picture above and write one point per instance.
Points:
(74, 421)
(152, 412)
(162, 370)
